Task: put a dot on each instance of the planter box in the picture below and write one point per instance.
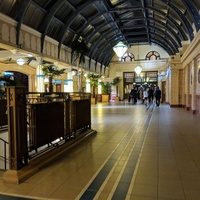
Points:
(105, 98)
(116, 98)
(93, 100)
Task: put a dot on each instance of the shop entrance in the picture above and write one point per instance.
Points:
(131, 79)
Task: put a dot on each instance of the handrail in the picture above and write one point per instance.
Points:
(5, 154)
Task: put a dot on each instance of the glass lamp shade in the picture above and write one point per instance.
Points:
(120, 49)
(138, 69)
(74, 73)
(20, 61)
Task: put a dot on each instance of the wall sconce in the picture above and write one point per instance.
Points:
(74, 73)
(85, 75)
(46, 80)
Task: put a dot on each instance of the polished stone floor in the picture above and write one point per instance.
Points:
(138, 153)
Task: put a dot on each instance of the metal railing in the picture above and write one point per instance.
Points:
(43, 121)
(54, 118)
(3, 114)
(4, 157)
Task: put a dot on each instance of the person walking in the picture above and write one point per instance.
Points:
(145, 96)
(157, 96)
(150, 94)
(133, 95)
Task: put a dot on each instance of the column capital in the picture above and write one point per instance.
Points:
(39, 60)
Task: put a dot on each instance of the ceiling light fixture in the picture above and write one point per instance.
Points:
(138, 69)
(20, 61)
(120, 49)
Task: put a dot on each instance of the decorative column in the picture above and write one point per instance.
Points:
(40, 76)
(187, 87)
(32, 84)
(70, 81)
(79, 75)
(174, 95)
(167, 85)
(88, 85)
(17, 133)
(99, 88)
(182, 87)
(194, 83)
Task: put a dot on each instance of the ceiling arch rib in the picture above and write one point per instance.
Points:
(156, 20)
(70, 21)
(193, 13)
(94, 19)
(110, 23)
(161, 24)
(97, 43)
(165, 34)
(20, 16)
(154, 41)
(146, 21)
(104, 57)
(182, 17)
(104, 50)
(170, 40)
(165, 42)
(100, 27)
(178, 27)
(105, 12)
(47, 19)
(168, 28)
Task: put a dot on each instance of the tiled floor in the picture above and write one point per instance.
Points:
(137, 154)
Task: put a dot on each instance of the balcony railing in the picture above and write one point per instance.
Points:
(4, 156)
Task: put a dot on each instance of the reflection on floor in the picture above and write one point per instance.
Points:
(138, 153)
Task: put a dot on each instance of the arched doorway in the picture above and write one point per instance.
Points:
(20, 78)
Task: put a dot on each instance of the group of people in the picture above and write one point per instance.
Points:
(146, 94)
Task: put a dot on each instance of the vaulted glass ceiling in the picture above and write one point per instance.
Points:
(103, 23)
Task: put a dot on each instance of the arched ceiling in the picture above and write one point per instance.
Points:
(103, 23)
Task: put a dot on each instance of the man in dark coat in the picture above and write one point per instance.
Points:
(157, 96)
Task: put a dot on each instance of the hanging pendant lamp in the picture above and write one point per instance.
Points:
(138, 69)
(120, 49)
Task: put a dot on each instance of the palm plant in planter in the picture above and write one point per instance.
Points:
(51, 71)
(106, 90)
(94, 83)
(79, 50)
(115, 82)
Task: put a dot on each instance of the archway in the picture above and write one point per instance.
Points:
(20, 78)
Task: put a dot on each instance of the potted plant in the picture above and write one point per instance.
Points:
(51, 71)
(94, 83)
(115, 82)
(106, 90)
